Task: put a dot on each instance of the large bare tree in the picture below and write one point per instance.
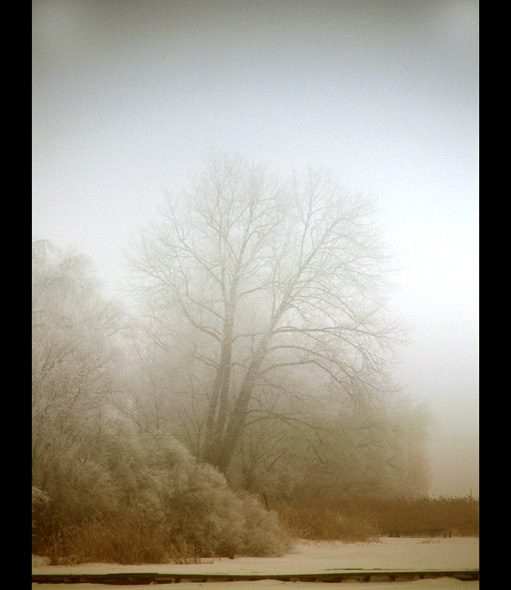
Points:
(272, 284)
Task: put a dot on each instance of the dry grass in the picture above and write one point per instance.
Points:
(365, 519)
(460, 515)
(123, 540)
(315, 522)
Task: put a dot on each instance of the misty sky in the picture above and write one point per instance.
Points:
(129, 96)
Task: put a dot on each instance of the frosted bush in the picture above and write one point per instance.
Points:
(187, 506)
(40, 499)
(262, 534)
(199, 507)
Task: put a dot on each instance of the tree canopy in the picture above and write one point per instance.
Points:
(271, 286)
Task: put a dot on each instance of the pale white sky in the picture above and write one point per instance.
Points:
(128, 96)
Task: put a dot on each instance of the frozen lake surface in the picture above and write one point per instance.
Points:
(307, 557)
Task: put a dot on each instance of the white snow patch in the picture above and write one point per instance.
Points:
(308, 557)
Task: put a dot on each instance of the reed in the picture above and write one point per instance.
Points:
(365, 519)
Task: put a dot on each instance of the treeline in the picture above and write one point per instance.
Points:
(250, 370)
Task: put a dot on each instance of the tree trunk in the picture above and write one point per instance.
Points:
(236, 424)
(219, 404)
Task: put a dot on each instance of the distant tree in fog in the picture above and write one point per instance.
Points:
(269, 290)
(74, 362)
(377, 452)
(72, 326)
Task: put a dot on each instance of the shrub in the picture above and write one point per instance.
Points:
(40, 500)
(262, 534)
(159, 505)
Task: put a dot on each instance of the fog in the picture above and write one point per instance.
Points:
(128, 97)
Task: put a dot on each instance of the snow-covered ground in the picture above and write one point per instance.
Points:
(308, 557)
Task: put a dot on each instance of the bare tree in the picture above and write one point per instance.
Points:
(268, 279)
(74, 355)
